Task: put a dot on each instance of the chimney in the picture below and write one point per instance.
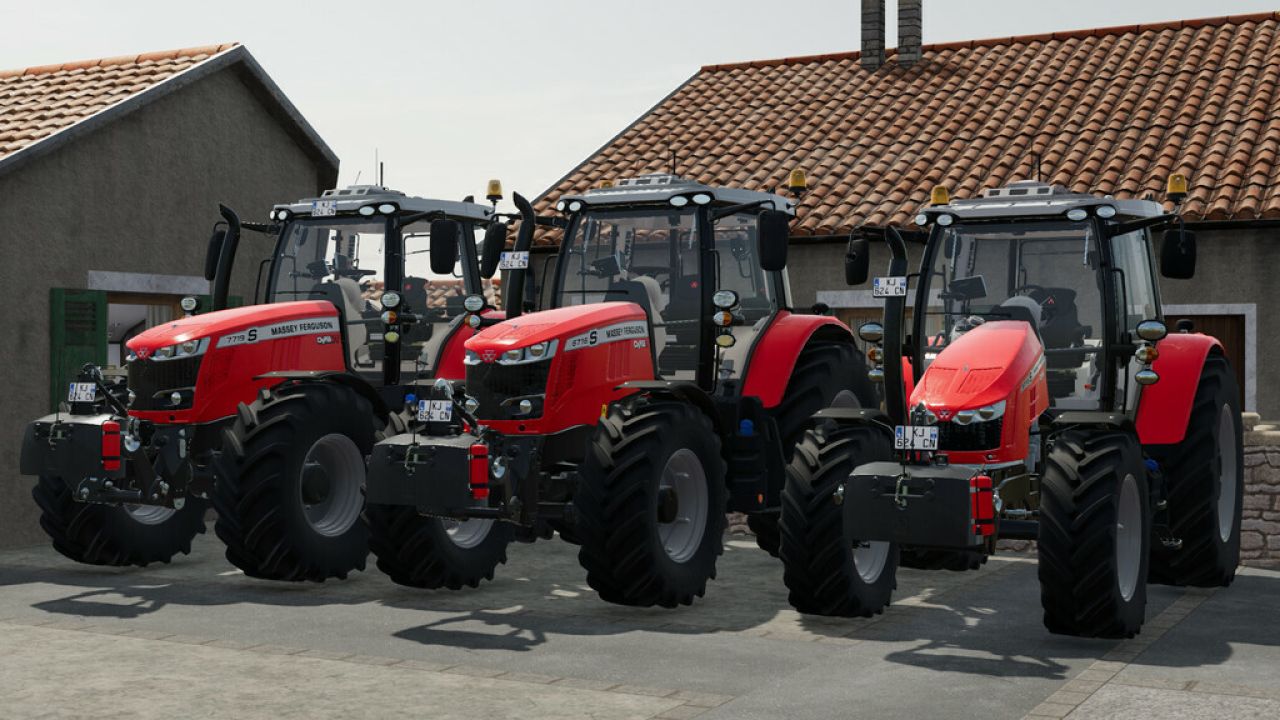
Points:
(910, 28)
(873, 29)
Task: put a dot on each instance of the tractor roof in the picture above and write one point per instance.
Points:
(350, 199)
(661, 187)
(1028, 198)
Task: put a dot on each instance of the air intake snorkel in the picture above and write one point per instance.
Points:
(513, 296)
(895, 398)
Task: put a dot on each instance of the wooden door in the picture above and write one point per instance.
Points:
(1229, 329)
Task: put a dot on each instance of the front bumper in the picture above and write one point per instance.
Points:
(922, 506)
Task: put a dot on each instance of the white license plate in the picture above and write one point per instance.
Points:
(514, 260)
(82, 392)
(915, 437)
(889, 287)
(435, 410)
(324, 208)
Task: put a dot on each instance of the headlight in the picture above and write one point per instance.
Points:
(1105, 211)
(701, 199)
(386, 208)
(164, 353)
(367, 210)
(575, 206)
(922, 220)
(282, 215)
(982, 414)
(725, 299)
(473, 303)
(474, 321)
(390, 300)
(532, 353)
(471, 357)
(945, 220)
(189, 304)
(1077, 214)
(189, 347)
(678, 201)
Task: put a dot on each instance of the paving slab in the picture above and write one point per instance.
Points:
(963, 645)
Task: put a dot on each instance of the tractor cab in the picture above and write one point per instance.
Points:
(706, 265)
(1076, 268)
(367, 250)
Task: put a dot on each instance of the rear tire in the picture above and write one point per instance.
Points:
(1204, 476)
(825, 374)
(826, 571)
(632, 556)
(1095, 526)
(291, 490)
(115, 534)
(430, 552)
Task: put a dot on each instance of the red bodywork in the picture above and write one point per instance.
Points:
(1165, 408)
(776, 352)
(227, 374)
(585, 372)
(1001, 360)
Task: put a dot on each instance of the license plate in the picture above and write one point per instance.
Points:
(435, 410)
(324, 208)
(514, 260)
(915, 437)
(82, 392)
(889, 287)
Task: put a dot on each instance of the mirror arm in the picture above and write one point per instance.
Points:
(1150, 222)
(732, 209)
(264, 228)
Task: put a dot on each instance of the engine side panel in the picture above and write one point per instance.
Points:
(775, 354)
(1165, 408)
(262, 340)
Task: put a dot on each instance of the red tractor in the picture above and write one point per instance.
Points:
(266, 411)
(1035, 395)
(666, 382)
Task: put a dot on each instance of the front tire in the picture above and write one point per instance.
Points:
(116, 535)
(1095, 526)
(826, 570)
(651, 505)
(430, 552)
(1204, 476)
(291, 490)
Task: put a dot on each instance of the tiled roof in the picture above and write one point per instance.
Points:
(1111, 110)
(37, 102)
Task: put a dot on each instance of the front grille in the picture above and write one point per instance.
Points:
(492, 384)
(968, 438)
(149, 378)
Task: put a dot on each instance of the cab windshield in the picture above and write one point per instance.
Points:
(1045, 273)
(343, 260)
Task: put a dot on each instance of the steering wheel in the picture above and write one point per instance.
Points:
(318, 269)
(1032, 290)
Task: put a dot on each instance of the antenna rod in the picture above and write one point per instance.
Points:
(381, 177)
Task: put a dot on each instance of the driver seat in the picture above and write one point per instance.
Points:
(344, 294)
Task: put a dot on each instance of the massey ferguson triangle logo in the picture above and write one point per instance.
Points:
(488, 355)
(943, 414)
(143, 353)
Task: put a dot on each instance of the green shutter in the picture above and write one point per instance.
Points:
(77, 335)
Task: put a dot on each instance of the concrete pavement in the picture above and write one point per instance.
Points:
(197, 638)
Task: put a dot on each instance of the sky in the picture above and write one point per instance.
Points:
(450, 94)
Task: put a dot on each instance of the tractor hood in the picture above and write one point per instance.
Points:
(565, 322)
(270, 320)
(982, 367)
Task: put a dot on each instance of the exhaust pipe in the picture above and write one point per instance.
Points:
(895, 393)
(226, 258)
(514, 293)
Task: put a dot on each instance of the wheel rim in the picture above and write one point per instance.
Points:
(1228, 473)
(869, 559)
(1128, 537)
(148, 514)
(329, 485)
(467, 534)
(684, 476)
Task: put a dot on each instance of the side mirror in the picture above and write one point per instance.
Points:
(857, 261)
(495, 239)
(775, 231)
(444, 246)
(212, 253)
(1178, 254)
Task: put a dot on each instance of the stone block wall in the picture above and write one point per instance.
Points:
(1260, 527)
